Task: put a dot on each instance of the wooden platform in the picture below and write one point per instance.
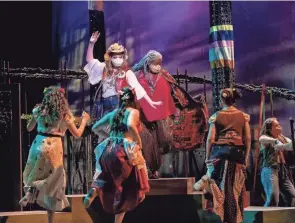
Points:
(170, 200)
(269, 215)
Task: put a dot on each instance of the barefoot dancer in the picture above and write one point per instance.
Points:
(121, 179)
(44, 176)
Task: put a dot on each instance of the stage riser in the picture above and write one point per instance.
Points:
(37, 218)
(282, 216)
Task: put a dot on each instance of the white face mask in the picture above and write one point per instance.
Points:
(155, 68)
(117, 62)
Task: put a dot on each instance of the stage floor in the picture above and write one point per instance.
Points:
(170, 200)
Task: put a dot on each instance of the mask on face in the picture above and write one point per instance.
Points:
(155, 68)
(117, 62)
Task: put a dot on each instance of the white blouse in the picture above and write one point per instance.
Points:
(95, 69)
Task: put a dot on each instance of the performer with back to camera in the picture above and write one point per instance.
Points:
(114, 75)
(275, 176)
(44, 176)
(121, 179)
(227, 150)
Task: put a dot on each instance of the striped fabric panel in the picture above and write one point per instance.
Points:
(221, 53)
(221, 35)
(221, 27)
(223, 43)
(222, 63)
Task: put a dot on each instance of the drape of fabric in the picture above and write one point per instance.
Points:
(161, 91)
(190, 126)
(151, 149)
(121, 175)
(44, 172)
(226, 184)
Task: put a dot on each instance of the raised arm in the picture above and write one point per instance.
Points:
(94, 68)
(33, 121)
(31, 124)
(93, 39)
(77, 132)
(139, 90)
(99, 125)
(287, 146)
(266, 140)
(133, 123)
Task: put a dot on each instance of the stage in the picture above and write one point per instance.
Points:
(170, 200)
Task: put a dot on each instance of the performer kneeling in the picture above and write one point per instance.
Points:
(44, 176)
(228, 146)
(275, 176)
(121, 179)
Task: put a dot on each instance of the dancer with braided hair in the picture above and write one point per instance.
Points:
(121, 179)
(44, 175)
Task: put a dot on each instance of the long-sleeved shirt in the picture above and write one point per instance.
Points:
(270, 156)
(95, 70)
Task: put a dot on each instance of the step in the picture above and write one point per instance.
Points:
(33, 217)
(172, 186)
(255, 214)
(170, 199)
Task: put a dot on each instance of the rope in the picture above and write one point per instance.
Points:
(72, 74)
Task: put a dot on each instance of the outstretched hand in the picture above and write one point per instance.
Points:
(94, 37)
(154, 104)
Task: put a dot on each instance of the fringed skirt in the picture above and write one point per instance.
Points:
(226, 184)
(121, 175)
(44, 173)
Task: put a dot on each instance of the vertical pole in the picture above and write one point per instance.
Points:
(221, 52)
(96, 21)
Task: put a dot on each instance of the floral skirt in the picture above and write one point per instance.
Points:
(44, 173)
(121, 175)
(227, 187)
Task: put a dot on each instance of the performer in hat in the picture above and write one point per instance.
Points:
(113, 75)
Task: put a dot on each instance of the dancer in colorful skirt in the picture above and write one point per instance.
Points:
(228, 147)
(121, 179)
(275, 175)
(44, 176)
